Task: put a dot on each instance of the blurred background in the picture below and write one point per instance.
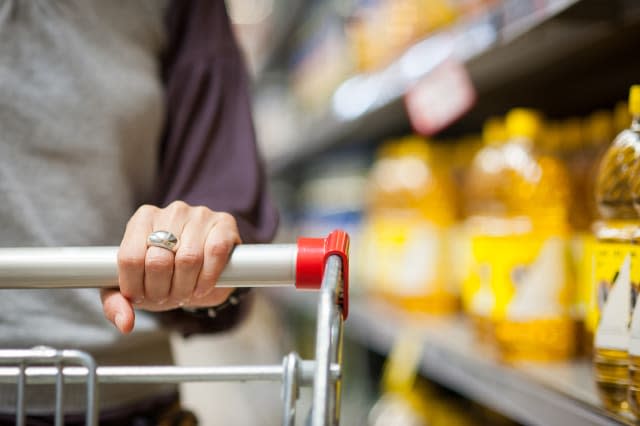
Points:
(459, 142)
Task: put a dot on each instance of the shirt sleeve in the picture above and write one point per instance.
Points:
(208, 154)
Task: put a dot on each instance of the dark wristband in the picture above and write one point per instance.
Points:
(235, 298)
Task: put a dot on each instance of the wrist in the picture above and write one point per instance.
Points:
(235, 298)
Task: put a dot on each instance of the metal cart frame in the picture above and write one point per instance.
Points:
(314, 263)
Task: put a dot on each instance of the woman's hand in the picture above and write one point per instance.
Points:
(156, 279)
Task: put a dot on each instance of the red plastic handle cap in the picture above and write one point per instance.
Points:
(312, 256)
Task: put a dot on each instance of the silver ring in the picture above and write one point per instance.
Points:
(162, 239)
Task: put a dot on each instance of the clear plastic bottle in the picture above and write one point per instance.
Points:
(614, 263)
(598, 132)
(633, 137)
(567, 140)
(518, 212)
(410, 210)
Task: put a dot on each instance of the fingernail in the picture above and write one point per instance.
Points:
(162, 301)
(202, 292)
(120, 321)
(138, 301)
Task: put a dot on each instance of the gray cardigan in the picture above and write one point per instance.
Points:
(105, 105)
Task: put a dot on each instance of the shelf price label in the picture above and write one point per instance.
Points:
(441, 97)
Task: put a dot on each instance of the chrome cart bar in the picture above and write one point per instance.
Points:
(250, 265)
(313, 264)
(329, 326)
(45, 355)
(47, 375)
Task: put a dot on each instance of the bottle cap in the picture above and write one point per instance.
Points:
(522, 122)
(634, 100)
(414, 146)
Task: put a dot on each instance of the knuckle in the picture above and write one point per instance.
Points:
(158, 263)
(201, 212)
(220, 248)
(146, 210)
(178, 206)
(207, 278)
(188, 258)
(227, 218)
(130, 261)
(143, 212)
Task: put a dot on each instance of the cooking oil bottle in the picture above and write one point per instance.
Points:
(614, 263)
(565, 140)
(482, 205)
(519, 202)
(598, 130)
(534, 320)
(411, 208)
(633, 138)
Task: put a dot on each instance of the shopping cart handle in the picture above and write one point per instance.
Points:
(250, 265)
(313, 254)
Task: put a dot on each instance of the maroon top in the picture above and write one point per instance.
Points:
(208, 153)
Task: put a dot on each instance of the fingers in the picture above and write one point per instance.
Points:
(132, 253)
(217, 248)
(189, 257)
(118, 310)
(159, 262)
(156, 279)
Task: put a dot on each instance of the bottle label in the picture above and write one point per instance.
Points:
(634, 342)
(409, 257)
(459, 255)
(582, 264)
(612, 293)
(518, 277)
(586, 287)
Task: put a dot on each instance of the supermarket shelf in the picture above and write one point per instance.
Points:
(501, 46)
(532, 394)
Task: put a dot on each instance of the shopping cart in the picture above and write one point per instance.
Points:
(313, 264)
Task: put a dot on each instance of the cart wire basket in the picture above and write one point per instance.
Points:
(319, 264)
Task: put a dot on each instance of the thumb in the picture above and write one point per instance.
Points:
(118, 310)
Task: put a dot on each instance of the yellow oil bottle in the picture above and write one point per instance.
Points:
(598, 131)
(633, 136)
(614, 263)
(566, 140)
(481, 204)
(519, 210)
(411, 208)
